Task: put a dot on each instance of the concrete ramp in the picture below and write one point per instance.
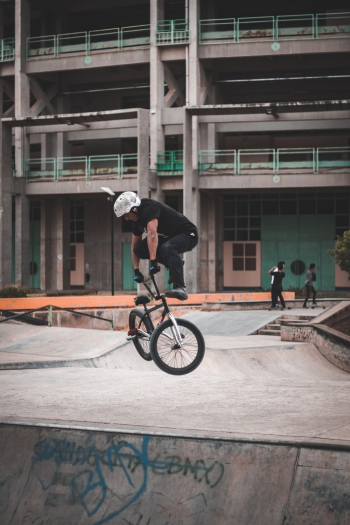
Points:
(70, 477)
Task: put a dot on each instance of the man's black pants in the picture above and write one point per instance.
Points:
(310, 289)
(276, 292)
(168, 253)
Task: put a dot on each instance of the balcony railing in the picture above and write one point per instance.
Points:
(89, 41)
(172, 32)
(281, 160)
(116, 166)
(169, 163)
(7, 49)
(270, 28)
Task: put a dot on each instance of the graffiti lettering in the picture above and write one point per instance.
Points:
(90, 485)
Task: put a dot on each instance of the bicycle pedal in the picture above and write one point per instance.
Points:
(131, 337)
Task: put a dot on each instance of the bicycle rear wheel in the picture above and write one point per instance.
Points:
(173, 360)
(142, 344)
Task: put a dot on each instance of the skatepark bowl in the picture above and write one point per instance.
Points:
(91, 434)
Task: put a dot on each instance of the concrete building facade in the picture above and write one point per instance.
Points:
(236, 115)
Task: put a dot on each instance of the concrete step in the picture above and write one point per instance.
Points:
(269, 332)
(271, 326)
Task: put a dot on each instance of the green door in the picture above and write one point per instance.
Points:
(292, 238)
(34, 254)
(128, 268)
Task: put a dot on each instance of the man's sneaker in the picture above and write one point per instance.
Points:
(304, 306)
(178, 292)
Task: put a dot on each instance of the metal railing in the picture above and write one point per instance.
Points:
(270, 28)
(7, 49)
(172, 32)
(169, 163)
(86, 167)
(49, 308)
(305, 160)
(89, 41)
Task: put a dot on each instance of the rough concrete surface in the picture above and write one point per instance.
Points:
(259, 434)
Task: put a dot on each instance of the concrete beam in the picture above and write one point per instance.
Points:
(120, 126)
(75, 62)
(258, 49)
(288, 181)
(74, 187)
(73, 118)
(284, 125)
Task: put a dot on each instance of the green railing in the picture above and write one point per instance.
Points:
(116, 166)
(169, 163)
(88, 41)
(270, 28)
(7, 49)
(172, 32)
(281, 160)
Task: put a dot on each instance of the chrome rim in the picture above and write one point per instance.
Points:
(177, 357)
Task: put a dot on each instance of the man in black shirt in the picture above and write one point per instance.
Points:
(276, 289)
(168, 234)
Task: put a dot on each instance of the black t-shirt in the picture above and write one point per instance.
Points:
(277, 278)
(170, 222)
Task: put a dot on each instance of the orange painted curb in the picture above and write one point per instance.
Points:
(127, 301)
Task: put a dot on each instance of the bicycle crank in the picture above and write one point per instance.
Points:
(137, 332)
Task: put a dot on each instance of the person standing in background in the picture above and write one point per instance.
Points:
(276, 289)
(309, 285)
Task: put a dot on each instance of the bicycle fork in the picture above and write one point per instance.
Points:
(175, 330)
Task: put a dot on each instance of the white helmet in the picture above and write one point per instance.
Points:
(125, 202)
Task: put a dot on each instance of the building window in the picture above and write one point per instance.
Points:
(244, 257)
(77, 222)
(242, 213)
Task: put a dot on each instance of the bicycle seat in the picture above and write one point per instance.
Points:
(142, 299)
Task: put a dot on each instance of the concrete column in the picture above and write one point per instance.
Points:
(62, 145)
(157, 92)
(212, 142)
(22, 109)
(193, 66)
(44, 252)
(1, 21)
(5, 204)
(22, 240)
(143, 153)
(211, 243)
(62, 226)
(22, 84)
(191, 202)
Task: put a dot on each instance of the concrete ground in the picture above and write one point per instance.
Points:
(259, 434)
(246, 385)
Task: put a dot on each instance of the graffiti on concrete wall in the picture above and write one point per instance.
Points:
(113, 477)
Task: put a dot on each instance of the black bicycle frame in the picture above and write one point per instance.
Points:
(157, 297)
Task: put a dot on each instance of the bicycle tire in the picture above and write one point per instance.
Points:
(177, 358)
(141, 345)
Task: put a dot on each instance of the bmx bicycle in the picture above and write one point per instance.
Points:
(176, 345)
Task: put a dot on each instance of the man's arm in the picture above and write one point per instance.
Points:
(272, 269)
(152, 238)
(135, 260)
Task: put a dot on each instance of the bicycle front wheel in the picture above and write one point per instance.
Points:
(141, 343)
(168, 356)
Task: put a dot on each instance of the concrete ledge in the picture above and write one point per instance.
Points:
(262, 304)
(125, 301)
(333, 345)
